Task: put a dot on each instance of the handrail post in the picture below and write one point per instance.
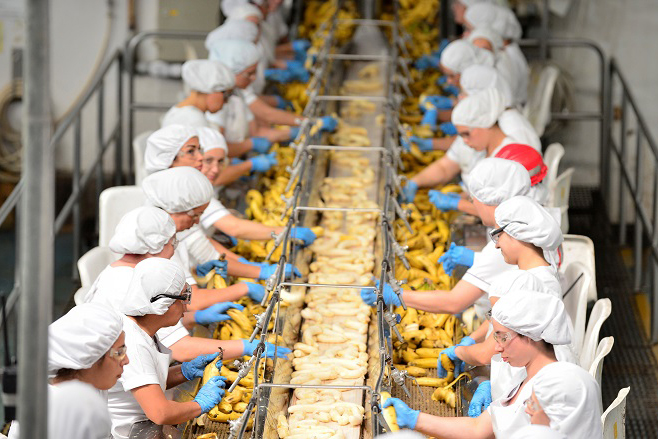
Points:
(622, 192)
(639, 226)
(100, 139)
(77, 140)
(119, 141)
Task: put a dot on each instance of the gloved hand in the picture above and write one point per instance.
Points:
(195, 367)
(283, 104)
(429, 118)
(466, 341)
(303, 233)
(211, 394)
(481, 399)
(440, 102)
(459, 364)
(451, 89)
(443, 79)
(250, 346)
(256, 292)
(456, 255)
(268, 270)
(294, 64)
(260, 144)
(234, 240)
(218, 266)
(406, 417)
(329, 123)
(444, 202)
(281, 76)
(442, 45)
(448, 129)
(427, 62)
(424, 145)
(256, 264)
(236, 161)
(409, 191)
(406, 143)
(294, 132)
(300, 47)
(300, 74)
(263, 163)
(215, 313)
(370, 298)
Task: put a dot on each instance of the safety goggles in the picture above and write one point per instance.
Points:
(185, 296)
(503, 338)
(495, 234)
(118, 354)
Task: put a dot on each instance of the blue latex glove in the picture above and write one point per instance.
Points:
(451, 89)
(256, 264)
(442, 80)
(300, 74)
(440, 102)
(370, 298)
(429, 118)
(256, 292)
(250, 346)
(215, 313)
(294, 132)
(448, 129)
(409, 191)
(263, 163)
(218, 266)
(283, 104)
(444, 202)
(281, 76)
(442, 45)
(268, 270)
(236, 161)
(427, 62)
(195, 367)
(211, 394)
(424, 145)
(466, 341)
(406, 416)
(456, 255)
(303, 233)
(459, 364)
(481, 399)
(406, 143)
(294, 64)
(234, 240)
(300, 47)
(260, 144)
(329, 123)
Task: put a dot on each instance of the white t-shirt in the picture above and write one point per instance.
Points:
(187, 115)
(213, 213)
(542, 279)
(195, 248)
(465, 156)
(507, 69)
(235, 115)
(522, 70)
(507, 418)
(487, 265)
(539, 193)
(149, 364)
(278, 22)
(517, 127)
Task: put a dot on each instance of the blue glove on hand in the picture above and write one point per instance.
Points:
(448, 129)
(294, 64)
(304, 234)
(406, 417)
(440, 102)
(451, 89)
(256, 292)
(459, 364)
(236, 161)
(294, 132)
(456, 255)
(283, 104)
(444, 202)
(427, 62)
(406, 143)
(300, 74)
(329, 123)
(218, 266)
(370, 298)
(268, 270)
(255, 264)
(481, 399)
(466, 341)
(195, 367)
(442, 45)
(429, 118)
(211, 394)
(250, 346)
(215, 313)
(409, 191)
(281, 76)
(263, 163)
(300, 47)
(260, 144)
(443, 79)
(424, 145)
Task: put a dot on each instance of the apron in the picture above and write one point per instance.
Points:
(504, 377)
(507, 419)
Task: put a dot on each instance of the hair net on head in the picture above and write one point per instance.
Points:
(227, 6)
(232, 29)
(244, 10)
(537, 432)
(237, 55)
(525, 220)
(512, 29)
(570, 397)
(163, 146)
(211, 138)
(82, 336)
(151, 277)
(487, 14)
(478, 77)
(493, 181)
(207, 76)
(178, 189)
(461, 54)
(536, 315)
(488, 34)
(529, 157)
(143, 230)
(469, 3)
(480, 110)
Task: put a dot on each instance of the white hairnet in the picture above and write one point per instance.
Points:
(461, 54)
(232, 30)
(512, 29)
(570, 397)
(487, 14)
(244, 10)
(143, 230)
(487, 33)
(480, 110)
(495, 180)
(82, 336)
(164, 144)
(207, 76)
(537, 432)
(526, 220)
(469, 3)
(179, 189)
(211, 138)
(539, 316)
(151, 277)
(227, 6)
(237, 55)
(478, 77)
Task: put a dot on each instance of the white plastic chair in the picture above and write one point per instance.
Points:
(575, 302)
(559, 196)
(600, 313)
(614, 418)
(541, 86)
(93, 262)
(596, 369)
(580, 248)
(114, 203)
(552, 158)
(139, 148)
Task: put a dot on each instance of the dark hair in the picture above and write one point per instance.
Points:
(66, 374)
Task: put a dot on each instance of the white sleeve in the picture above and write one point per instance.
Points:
(172, 334)
(199, 248)
(213, 213)
(187, 115)
(487, 265)
(248, 95)
(141, 370)
(183, 259)
(217, 119)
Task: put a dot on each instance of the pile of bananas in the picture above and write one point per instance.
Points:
(419, 20)
(317, 12)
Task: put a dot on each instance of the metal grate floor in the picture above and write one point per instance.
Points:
(631, 361)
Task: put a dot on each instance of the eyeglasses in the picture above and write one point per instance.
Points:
(185, 296)
(119, 354)
(192, 214)
(532, 405)
(495, 234)
(502, 338)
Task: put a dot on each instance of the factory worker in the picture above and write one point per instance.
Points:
(566, 398)
(459, 8)
(86, 356)
(488, 39)
(527, 325)
(537, 432)
(156, 299)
